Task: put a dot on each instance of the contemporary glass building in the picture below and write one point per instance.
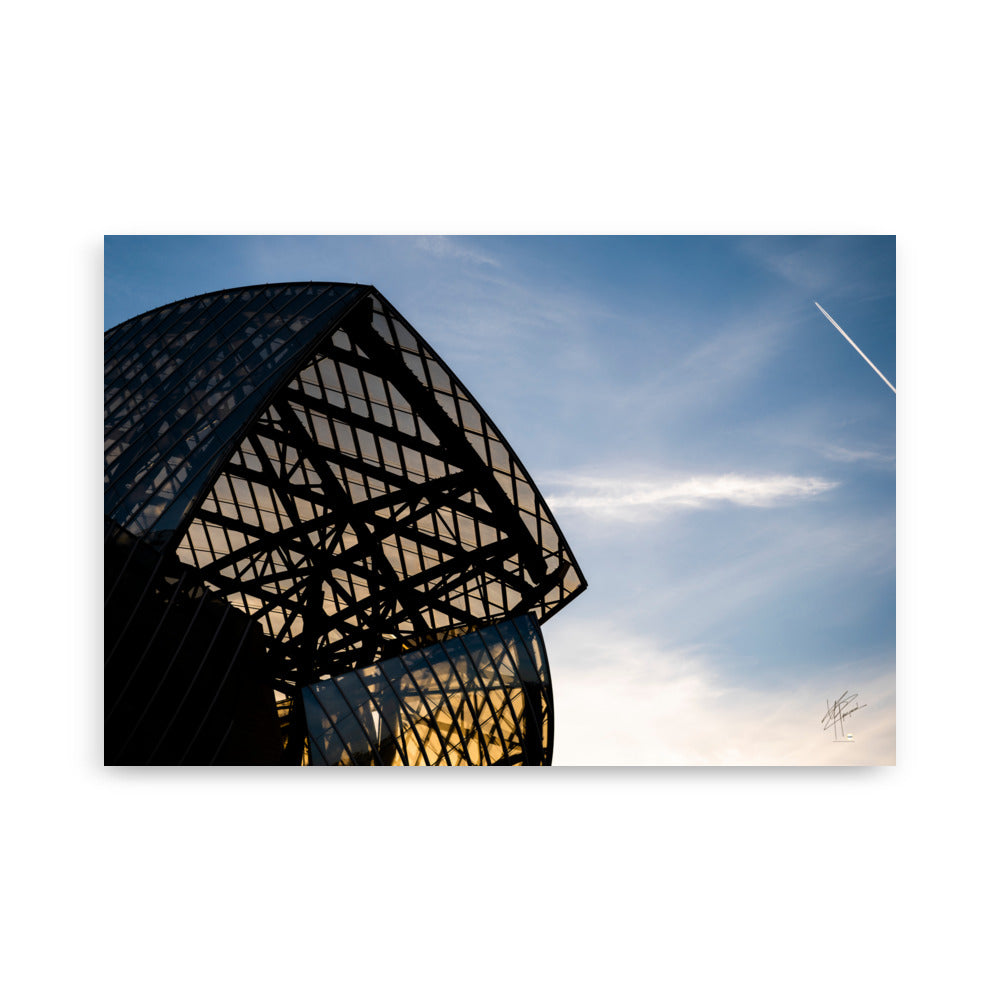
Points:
(318, 547)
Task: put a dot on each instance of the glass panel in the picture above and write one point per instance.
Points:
(183, 417)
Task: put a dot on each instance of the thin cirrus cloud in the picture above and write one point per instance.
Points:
(444, 246)
(837, 453)
(624, 498)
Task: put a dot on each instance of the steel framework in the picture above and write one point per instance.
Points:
(301, 498)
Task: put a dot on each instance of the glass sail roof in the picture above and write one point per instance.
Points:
(310, 454)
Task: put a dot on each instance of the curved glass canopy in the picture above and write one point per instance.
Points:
(312, 461)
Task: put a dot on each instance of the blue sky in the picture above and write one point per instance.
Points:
(720, 459)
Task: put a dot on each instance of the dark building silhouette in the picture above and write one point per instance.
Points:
(318, 547)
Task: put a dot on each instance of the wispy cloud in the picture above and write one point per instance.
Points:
(623, 699)
(811, 266)
(446, 246)
(836, 453)
(631, 498)
(816, 264)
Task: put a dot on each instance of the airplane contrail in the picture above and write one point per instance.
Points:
(855, 346)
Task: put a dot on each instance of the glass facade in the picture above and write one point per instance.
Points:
(300, 454)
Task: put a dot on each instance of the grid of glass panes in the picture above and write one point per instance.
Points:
(524, 498)
(482, 698)
(182, 381)
(343, 508)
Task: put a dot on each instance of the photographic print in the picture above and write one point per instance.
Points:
(577, 500)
